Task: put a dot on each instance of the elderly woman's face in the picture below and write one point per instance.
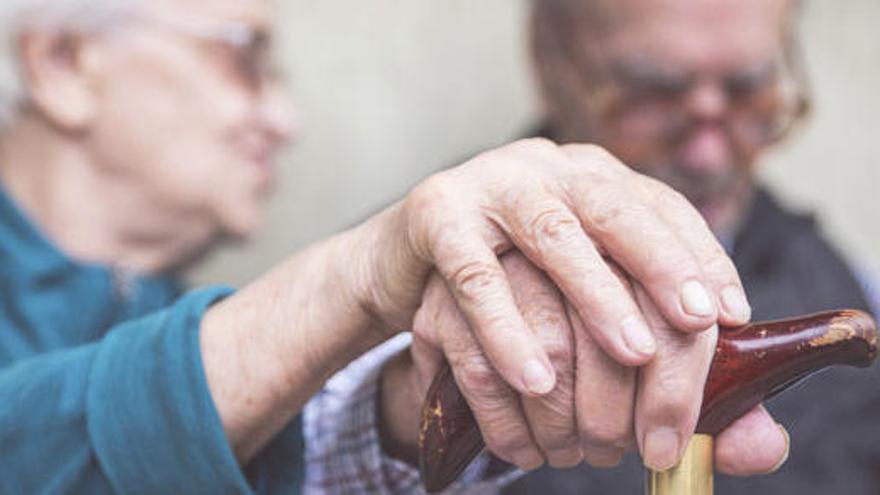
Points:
(192, 111)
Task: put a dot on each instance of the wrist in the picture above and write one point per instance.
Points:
(337, 326)
(391, 272)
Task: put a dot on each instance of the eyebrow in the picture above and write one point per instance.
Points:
(643, 70)
(640, 69)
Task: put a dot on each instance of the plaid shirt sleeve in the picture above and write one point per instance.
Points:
(870, 282)
(343, 454)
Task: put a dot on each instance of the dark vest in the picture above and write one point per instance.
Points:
(833, 417)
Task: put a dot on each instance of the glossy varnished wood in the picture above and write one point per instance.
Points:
(757, 361)
(751, 364)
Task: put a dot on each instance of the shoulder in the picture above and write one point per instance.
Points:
(790, 266)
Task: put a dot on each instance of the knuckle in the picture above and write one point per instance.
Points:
(606, 432)
(536, 145)
(422, 322)
(602, 153)
(436, 189)
(556, 432)
(552, 227)
(608, 210)
(719, 265)
(658, 193)
(559, 350)
(672, 197)
(435, 304)
(558, 444)
(474, 279)
(676, 401)
(429, 210)
(505, 437)
(548, 316)
(676, 407)
(597, 157)
(663, 194)
(479, 378)
(586, 149)
(671, 267)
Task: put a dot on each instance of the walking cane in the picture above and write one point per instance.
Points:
(751, 364)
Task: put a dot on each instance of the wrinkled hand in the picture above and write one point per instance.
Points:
(601, 410)
(564, 208)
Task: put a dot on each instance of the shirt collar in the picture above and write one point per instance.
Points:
(23, 244)
(27, 252)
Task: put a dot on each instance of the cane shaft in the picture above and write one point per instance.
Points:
(692, 476)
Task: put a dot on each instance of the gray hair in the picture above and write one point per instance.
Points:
(20, 16)
(595, 14)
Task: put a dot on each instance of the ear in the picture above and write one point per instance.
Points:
(58, 71)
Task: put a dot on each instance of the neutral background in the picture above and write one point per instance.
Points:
(391, 90)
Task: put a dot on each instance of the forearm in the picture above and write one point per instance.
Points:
(270, 347)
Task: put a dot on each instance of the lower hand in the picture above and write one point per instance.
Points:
(599, 412)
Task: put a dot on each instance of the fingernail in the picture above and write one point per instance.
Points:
(527, 460)
(787, 448)
(638, 336)
(695, 299)
(661, 448)
(735, 303)
(538, 378)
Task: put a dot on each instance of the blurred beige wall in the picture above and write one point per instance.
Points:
(391, 90)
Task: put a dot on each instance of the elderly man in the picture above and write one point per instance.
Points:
(693, 93)
(136, 134)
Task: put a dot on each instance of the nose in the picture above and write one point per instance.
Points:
(278, 114)
(707, 101)
(707, 148)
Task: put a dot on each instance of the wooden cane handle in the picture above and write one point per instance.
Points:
(751, 364)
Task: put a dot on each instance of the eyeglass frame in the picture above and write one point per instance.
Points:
(240, 37)
(606, 93)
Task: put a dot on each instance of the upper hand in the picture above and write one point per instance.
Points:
(564, 208)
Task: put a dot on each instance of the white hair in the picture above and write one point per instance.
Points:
(20, 16)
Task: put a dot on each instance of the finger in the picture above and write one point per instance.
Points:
(551, 417)
(440, 328)
(483, 295)
(495, 405)
(619, 218)
(427, 345)
(670, 389)
(428, 362)
(753, 444)
(550, 234)
(604, 400)
(719, 270)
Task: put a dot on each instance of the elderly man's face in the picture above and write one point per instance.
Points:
(190, 111)
(687, 91)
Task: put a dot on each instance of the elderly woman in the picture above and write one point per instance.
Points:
(137, 134)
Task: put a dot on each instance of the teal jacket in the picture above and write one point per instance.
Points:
(102, 388)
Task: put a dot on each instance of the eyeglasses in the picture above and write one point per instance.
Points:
(646, 104)
(247, 50)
